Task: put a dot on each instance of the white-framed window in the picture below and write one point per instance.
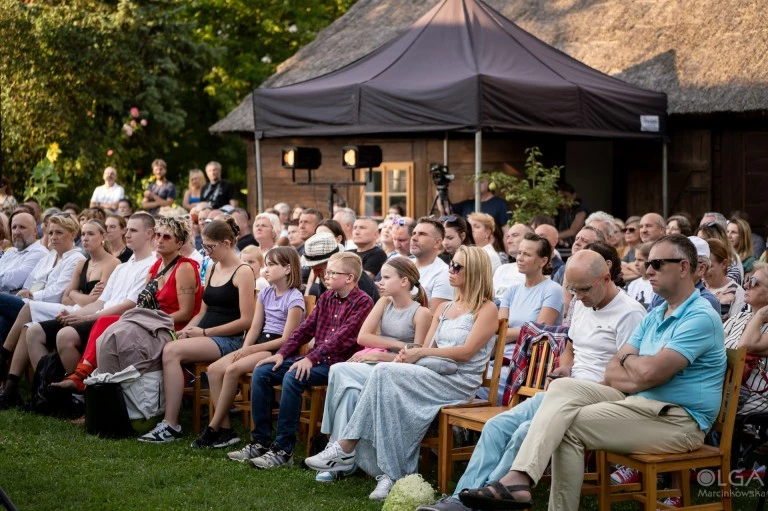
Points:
(392, 184)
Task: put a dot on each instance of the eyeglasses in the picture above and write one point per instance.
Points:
(164, 236)
(584, 290)
(752, 282)
(710, 224)
(209, 248)
(658, 263)
(447, 218)
(64, 214)
(629, 229)
(454, 267)
(332, 274)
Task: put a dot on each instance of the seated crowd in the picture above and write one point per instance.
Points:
(404, 324)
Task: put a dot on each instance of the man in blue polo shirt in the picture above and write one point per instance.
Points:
(661, 392)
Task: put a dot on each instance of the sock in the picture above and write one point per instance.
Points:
(13, 379)
(6, 353)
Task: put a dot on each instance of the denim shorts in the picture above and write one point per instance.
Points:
(228, 344)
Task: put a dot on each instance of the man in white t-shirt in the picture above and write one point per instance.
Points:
(120, 294)
(426, 242)
(603, 321)
(508, 275)
(109, 194)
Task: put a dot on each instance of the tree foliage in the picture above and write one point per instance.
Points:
(73, 73)
(531, 195)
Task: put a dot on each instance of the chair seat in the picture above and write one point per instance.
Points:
(706, 451)
(480, 414)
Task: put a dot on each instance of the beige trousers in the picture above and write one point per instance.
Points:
(577, 415)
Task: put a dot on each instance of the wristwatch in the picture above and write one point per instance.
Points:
(624, 358)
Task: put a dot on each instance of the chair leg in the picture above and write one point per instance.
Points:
(444, 457)
(685, 487)
(725, 495)
(196, 390)
(315, 411)
(649, 480)
(604, 498)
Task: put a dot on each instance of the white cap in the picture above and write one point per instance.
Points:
(702, 247)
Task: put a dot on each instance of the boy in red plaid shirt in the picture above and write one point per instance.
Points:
(334, 324)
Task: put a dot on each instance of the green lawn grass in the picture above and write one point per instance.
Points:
(51, 464)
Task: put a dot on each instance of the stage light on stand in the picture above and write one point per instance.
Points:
(308, 158)
(361, 157)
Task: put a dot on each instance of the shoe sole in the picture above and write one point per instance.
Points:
(288, 463)
(152, 441)
(228, 443)
(336, 468)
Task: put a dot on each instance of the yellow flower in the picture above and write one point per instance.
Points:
(53, 152)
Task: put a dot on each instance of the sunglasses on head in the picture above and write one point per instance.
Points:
(751, 282)
(455, 267)
(658, 263)
(398, 221)
(447, 218)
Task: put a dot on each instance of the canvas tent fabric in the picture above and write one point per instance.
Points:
(461, 67)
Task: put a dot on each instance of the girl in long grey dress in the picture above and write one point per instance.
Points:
(398, 318)
(400, 400)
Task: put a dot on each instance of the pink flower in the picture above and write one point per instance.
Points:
(134, 112)
(110, 152)
(143, 122)
(127, 129)
(89, 113)
(133, 123)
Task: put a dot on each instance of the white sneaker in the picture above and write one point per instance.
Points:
(162, 433)
(327, 477)
(332, 459)
(383, 485)
(250, 451)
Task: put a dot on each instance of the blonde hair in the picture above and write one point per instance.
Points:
(351, 263)
(255, 251)
(66, 221)
(478, 278)
(102, 228)
(197, 173)
(274, 221)
(485, 219)
(743, 247)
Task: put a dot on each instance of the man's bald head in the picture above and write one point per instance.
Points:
(23, 229)
(652, 227)
(585, 264)
(549, 232)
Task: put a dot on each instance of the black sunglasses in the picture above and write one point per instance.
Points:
(658, 263)
(455, 267)
(629, 229)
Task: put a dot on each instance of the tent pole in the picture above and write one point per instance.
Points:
(664, 180)
(478, 166)
(259, 175)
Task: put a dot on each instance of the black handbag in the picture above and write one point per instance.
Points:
(53, 401)
(106, 414)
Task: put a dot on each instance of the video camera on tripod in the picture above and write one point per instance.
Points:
(441, 177)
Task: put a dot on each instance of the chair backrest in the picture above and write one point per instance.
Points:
(726, 416)
(539, 366)
(498, 354)
(309, 304)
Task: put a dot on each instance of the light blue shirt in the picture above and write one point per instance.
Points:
(695, 331)
(525, 303)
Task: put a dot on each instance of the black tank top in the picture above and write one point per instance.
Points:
(222, 302)
(86, 286)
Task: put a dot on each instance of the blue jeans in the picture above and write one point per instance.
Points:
(289, 413)
(499, 444)
(10, 306)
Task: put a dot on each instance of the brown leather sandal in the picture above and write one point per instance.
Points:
(483, 498)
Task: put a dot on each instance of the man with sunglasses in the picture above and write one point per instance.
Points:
(661, 392)
(702, 252)
(603, 320)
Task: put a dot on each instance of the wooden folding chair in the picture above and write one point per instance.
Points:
(649, 465)
(492, 383)
(200, 396)
(474, 418)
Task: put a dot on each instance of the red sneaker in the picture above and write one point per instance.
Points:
(625, 475)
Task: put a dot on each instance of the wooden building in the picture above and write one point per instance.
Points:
(710, 58)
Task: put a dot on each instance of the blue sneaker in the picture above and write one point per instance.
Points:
(328, 477)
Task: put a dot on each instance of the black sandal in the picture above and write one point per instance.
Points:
(483, 498)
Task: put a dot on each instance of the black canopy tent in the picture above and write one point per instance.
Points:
(461, 67)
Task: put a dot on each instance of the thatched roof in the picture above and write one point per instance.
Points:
(707, 56)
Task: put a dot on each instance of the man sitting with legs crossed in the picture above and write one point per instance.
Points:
(661, 393)
(603, 320)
